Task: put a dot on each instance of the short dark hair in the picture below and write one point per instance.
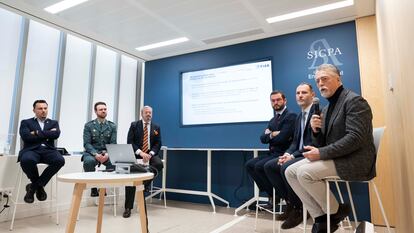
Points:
(307, 84)
(39, 102)
(278, 92)
(98, 103)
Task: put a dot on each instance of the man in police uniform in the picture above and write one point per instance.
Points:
(96, 134)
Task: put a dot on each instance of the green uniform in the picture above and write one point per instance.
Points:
(95, 137)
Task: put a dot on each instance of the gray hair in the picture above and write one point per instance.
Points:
(329, 67)
(146, 106)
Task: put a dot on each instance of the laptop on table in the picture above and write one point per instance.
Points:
(123, 157)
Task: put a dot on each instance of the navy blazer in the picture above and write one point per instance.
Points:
(46, 136)
(286, 126)
(136, 132)
(307, 135)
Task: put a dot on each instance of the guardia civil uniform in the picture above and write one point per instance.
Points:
(95, 137)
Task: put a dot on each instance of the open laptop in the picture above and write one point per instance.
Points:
(122, 155)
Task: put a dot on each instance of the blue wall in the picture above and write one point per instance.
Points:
(294, 58)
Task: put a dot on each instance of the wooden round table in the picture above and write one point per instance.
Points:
(103, 179)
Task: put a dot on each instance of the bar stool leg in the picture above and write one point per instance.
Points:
(18, 184)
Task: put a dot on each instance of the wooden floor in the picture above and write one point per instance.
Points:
(178, 217)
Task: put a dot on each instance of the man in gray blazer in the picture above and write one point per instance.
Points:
(343, 147)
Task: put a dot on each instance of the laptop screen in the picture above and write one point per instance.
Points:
(121, 153)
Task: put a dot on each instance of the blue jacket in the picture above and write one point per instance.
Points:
(45, 136)
(286, 125)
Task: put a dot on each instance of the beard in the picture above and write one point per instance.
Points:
(278, 107)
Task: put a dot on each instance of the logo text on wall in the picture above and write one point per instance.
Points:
(321, 52)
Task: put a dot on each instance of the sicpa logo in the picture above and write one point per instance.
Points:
(320, 52)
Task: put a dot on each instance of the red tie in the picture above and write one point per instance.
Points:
(145, 139)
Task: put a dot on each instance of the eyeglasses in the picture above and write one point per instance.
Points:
(322, 79)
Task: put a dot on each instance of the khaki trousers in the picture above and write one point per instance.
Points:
(305, 178)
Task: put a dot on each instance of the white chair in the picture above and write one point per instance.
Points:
(16, 193)
(160, 190)
(274, 212)
(377, 133)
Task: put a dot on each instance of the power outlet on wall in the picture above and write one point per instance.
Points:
(5, 192)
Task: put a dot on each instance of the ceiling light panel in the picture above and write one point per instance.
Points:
(311, 11)
(162, 44)
(63, 5)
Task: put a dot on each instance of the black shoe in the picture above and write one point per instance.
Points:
(321, 227)
(41, 195)
(147, 187)
(295, 218)
(284, 215)
(30, 191)
(343, 211)
(94, 192)
(267, 206)
(127, 213)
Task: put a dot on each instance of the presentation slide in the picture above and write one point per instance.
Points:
(231, 94)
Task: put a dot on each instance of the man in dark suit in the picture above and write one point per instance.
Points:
(343, 147)
(275, 168)
(145, 137)
(279, 135)
(39, 134)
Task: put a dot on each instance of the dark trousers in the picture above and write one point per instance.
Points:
(155, 162)
(30, 159)
(276, 175)
(255, 168)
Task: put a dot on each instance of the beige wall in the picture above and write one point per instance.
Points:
(395, 23)
(373, 90)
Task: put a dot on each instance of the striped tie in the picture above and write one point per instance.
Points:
(145, 139)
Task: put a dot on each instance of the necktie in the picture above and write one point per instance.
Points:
(145, 139)
(302, 128)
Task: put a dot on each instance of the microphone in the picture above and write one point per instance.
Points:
(317, 109)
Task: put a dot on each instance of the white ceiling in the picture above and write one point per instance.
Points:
(127, 24)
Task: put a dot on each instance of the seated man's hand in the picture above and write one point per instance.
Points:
(104, 157)
(145, 157)
(284, 158)
(312, 153)
(267, 131)
(99, 157)
(275, 133)
(316, 123)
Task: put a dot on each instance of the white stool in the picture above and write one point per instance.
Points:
(16, 193)
(274, 212)
(160, 190)
(377, 134)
